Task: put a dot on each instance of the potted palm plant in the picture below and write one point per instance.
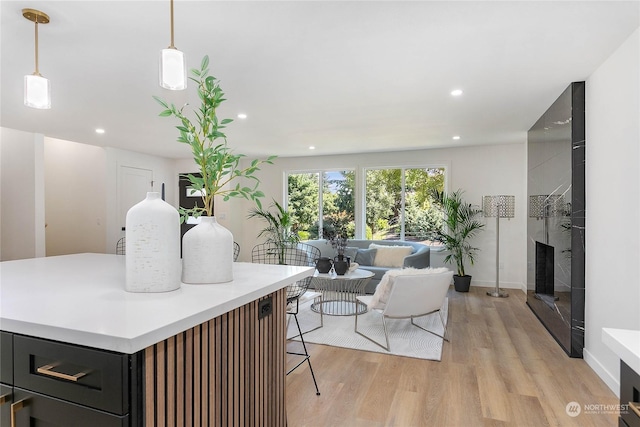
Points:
(460, 226)
(279, 230)
(207, 249)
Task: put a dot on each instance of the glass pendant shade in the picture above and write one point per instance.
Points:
(37, 92)
(173, 69)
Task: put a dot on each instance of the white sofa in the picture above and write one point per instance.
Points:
(419, 257)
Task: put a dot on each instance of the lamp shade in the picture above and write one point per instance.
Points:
(499, 206)
(37, 92)
(173, 69)
(545, 206)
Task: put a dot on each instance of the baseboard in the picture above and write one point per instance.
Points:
(503, 285)
(602, 372)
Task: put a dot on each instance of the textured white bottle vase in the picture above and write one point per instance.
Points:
(207, 253)
(152, 246)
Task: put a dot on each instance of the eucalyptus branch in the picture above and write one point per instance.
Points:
(218, 165)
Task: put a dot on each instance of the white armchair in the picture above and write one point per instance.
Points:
(411, 296)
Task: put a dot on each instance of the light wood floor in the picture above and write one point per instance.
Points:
(501, 368)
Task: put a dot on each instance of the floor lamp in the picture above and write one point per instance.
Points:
(499, 207)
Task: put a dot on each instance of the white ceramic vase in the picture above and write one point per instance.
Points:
(207, 253)
(152, 246)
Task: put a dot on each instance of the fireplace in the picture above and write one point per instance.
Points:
(544, 270)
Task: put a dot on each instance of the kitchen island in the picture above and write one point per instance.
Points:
(625, 344)
(77, 346)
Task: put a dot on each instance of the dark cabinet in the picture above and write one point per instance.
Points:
(6, 358)
(629, 396)
(33, 409)
(6, 377)
(6, 399)
(95, 378)
(57, 384)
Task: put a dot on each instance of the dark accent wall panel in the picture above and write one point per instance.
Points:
(229, 371)
(557, 213)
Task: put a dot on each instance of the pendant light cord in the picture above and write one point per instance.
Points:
(37, 72)
(172, 46)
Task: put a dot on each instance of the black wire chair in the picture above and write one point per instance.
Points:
(121, 246)
(236, 251)
(299, 254)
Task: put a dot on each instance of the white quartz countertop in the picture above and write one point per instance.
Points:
(80, 299)
(625, 343)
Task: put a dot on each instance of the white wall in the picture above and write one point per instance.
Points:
(81, 194)
(163, 171)
(613, 200)
(22, 228)
(479, 171)
(75, 203)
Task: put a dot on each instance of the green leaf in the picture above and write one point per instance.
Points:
(160, 101)
(205, 62)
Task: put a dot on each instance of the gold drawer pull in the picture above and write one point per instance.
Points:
(635, 406)
(15, 407)
(5, 398)
(48, 370)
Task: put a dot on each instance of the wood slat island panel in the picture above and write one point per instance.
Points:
(229, 371)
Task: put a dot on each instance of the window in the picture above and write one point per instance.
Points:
(319, 214)
(399, 203)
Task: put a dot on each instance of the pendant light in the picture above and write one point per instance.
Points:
(37, 90)
(173, 65)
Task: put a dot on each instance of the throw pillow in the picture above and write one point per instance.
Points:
(365, 256)
(390, 256)
(383, 290)
(351, 252)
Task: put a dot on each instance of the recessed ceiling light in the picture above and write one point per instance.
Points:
(100, 131)
(456, 92)
(456, 137)
(242, 116)
(311, 147)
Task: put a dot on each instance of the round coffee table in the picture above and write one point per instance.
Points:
(339, 292)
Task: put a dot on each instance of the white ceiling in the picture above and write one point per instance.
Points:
(346, 77)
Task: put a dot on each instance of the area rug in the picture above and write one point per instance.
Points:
(404, 338)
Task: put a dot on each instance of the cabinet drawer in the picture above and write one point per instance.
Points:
(37, 409)
(6, 398)
(6, 358)
(95, 378)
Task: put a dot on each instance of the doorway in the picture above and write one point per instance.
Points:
(133, 185)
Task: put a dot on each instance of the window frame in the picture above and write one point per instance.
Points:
(360, 190)
(321, 173)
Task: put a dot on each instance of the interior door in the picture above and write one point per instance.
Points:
(133, 185)
(187, 200)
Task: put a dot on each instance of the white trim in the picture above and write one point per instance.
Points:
(602, 372)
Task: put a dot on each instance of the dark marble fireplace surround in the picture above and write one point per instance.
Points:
(556, 223)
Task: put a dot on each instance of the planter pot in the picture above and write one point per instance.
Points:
(340, 267)
(323, 265)
(461, 283)
(207, 253)
(152, 246)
